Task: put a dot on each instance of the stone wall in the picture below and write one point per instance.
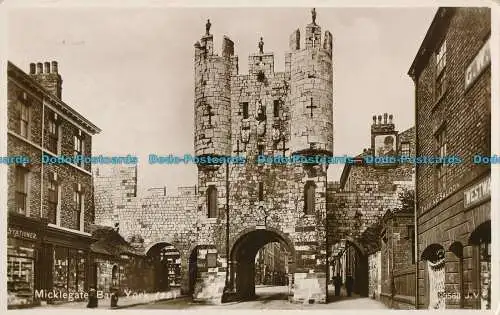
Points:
(170, 219)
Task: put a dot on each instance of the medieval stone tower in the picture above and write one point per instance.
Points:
(241, 207)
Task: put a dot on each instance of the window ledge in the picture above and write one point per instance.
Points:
(210, 220)
(69, 230)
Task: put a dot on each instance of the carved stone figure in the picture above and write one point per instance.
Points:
(261, 45)
(313, 13)
(207, 27)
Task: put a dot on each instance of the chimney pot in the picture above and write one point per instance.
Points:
(39, 68)
(54, 67)
(47, 67)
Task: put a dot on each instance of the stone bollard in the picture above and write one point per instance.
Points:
(93, 303)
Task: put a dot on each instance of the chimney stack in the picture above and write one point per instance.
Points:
(47, 76)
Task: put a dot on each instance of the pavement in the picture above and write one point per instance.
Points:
(269, 297)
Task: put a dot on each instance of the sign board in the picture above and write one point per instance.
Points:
(19, 233)
(478, 193)
(478, 64)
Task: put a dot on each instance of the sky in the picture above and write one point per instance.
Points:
(130, 71)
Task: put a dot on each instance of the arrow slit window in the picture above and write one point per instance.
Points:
(309, 197)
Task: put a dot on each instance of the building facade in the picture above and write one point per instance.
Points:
(262, 113)
(50, 205)
(452, 80)
(370, 189)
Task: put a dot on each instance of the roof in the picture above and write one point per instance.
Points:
(58, 103)
(432, 39)
(110, 242)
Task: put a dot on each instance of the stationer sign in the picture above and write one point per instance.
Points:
(477, 193)
(478, 64)
(19, 233)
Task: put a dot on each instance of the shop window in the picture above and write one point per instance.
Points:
(309, 197)
(22, 182)
(20, 272)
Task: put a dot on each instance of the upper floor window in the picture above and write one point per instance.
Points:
(22, 183)
(440, 85)
(53, 199)
(78, 207)
(441, 151)
(78, 146)
(24, 116)
(309, 197)
(53, 140)
(405, 149)
(212, 201)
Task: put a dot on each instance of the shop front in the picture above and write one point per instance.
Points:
(45, 263)
(23, 252)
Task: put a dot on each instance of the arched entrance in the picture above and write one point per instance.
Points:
(349, 268)
(434, 255)
(167, 266)
(480, 239)
(243, 256)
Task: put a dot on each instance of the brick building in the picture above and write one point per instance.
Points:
(452, 77)
(50, 206)
(363, 206)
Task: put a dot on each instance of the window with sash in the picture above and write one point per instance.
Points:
(53, 139)
(22, 190)
(78, 146)
(53, 201)
(440, 84)
(78, 207)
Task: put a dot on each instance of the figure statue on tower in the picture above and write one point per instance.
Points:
(261, 45)
(207, 27)
(313, 13)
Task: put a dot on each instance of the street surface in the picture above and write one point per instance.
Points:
(269, 297)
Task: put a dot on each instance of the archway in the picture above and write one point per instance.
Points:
(349, 268)
(434, 255)
(480, 239)
(243, 256)
(193, 270)
(167, 266)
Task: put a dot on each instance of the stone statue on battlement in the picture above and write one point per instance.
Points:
(207, 27)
